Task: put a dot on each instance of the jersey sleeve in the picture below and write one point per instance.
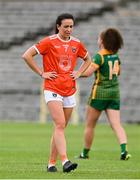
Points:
(42, 46)
(97, 59)
(82, 52)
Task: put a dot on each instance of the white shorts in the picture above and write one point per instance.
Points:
(68, 101)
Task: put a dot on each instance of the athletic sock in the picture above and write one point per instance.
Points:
(123, 148)
(64, 159)
(85, 152)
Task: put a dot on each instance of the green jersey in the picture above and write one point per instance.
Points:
(106, 85)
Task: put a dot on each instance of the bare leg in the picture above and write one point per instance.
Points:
(114, 120)
(67, 113)
(92, 116)
(57, 113)
(53, 151)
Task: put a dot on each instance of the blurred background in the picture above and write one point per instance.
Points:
(23, 23)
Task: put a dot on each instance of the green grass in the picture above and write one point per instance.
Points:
(24, 151)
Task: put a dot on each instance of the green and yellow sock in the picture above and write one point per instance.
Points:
(85, 152)
(123, 148)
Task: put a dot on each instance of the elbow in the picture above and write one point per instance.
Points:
(24, 57)
(90, 61)
(88, 74)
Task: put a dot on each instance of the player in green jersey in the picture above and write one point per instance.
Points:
(105, 94)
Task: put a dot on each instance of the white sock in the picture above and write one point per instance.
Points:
(64, 161)
(50, 165)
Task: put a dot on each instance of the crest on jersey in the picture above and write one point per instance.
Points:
(73, 49)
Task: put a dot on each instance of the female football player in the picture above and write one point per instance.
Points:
(105, 93)
(59, 53)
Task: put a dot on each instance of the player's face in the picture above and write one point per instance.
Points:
(65, 29)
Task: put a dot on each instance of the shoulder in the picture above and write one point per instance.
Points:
(98, 59)
(77, 42)
(54, 36)
(75, 39)
(49, 38)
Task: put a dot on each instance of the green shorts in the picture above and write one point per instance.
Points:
(104, 104)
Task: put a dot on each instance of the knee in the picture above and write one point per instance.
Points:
(89, 130)
(60, 126)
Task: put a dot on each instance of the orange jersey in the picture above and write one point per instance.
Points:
(60, 56)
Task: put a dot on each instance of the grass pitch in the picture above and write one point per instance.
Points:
(24, 151)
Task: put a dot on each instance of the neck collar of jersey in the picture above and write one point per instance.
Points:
(62, 39)
(105, 51)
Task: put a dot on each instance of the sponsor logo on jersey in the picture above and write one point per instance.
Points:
(65, 62)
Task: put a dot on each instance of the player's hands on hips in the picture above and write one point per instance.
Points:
(75, 75)
(49, 75)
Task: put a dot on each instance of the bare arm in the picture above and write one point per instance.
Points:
(90, 70)
(83, 67)
(28, 56)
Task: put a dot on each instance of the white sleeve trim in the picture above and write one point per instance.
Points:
(36, 49)
(85, 55)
